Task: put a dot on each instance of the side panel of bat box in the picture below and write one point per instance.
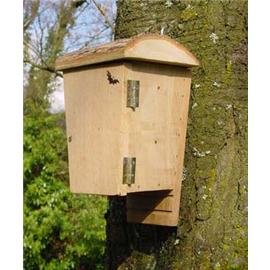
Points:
(154, 135)
(173, 86)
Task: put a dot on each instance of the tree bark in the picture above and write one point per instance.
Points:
(212, 229)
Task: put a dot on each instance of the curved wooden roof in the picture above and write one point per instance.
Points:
(151, 48)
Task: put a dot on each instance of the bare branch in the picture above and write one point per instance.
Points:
(78, 3)
(32, 48)
(105, 16)
(95, 36)
(41, 36)
(43, 67)
(29, 19)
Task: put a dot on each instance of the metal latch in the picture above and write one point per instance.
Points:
(133, 90)
(129, 167)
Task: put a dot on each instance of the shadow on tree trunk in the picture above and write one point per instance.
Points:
(126, 239)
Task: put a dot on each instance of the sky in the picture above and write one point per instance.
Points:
(57, 99)
(90, 29)
(84, 35)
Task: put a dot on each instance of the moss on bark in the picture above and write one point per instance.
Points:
(212, 230)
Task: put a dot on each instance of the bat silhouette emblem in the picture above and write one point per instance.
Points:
(111, 79)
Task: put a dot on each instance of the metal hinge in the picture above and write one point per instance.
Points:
(133, 90)
(129, 167)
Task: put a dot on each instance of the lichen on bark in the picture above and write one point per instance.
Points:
(212, 230)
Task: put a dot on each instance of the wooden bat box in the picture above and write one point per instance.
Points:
(126, 113)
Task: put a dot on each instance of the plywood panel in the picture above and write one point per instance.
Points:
(177, 120)
(152, 217)
(153, 129)
(160, 203)
(93, 115)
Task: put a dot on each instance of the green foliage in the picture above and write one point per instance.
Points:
(61, 230)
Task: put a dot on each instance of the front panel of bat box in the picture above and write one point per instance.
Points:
(93, 102)
(153, 128)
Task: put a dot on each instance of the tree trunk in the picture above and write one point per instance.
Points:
(212, 229)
